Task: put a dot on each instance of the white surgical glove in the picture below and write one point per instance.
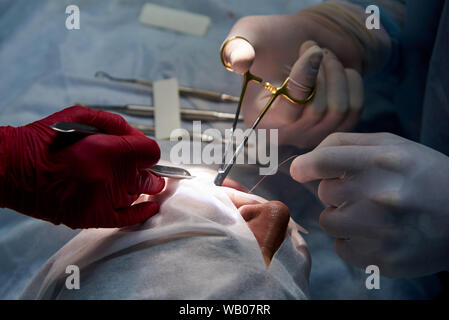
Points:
(278, 49)
(387, 198)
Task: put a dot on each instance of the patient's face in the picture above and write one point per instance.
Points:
(268, 221)
(205, 242)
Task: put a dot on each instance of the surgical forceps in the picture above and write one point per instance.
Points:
(84, 130)
(185, 91)
(148, 111)
(225, 168)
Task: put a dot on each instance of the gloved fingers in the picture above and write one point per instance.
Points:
(357, 220)
(336, 84)
(132, 215)
(316, 109)
(122, 199)
(337, 98)
(360, 252)
(102, 155)
(108, 122)
(331, 163)
(270, 44)
(303, 75)
(303, 78)
(340, 192)
(356, 99)
(272, 37)
(239, 55)
(144, 181)
(141, 152)
(306, 46)
(359, 139)
(336, 192)
(380, 196)
(117, 193)
(297, 133)
(356, 91)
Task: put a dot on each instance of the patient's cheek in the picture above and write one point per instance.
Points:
(268, 222)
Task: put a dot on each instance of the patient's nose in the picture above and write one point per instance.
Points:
(268, 222)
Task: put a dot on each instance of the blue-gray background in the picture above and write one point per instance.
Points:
(44, 67)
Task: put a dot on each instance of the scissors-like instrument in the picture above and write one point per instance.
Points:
(225, 168)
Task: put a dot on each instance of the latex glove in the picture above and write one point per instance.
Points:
(86, 182)
(388, 201)
(280, 48)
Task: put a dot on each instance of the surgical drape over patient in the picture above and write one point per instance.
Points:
(197, 247)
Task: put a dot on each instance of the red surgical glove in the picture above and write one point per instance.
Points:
(82, 182)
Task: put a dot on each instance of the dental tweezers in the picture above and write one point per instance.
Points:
(82, 129)
(148, 111)
(185, 91)
(78, 128)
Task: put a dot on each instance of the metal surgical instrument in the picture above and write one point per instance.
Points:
(225, 168)
(74, 128)
(83, 129)
(171, 172)
(148, 111)
(185, 91)
(77, 128)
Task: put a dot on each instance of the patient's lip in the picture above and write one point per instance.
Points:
(230, 183)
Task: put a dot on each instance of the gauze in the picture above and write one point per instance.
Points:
(197, 247)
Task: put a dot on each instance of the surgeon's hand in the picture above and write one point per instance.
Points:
(290, 45)
(387, 198)
(81, 182)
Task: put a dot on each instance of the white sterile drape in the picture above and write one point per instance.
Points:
(197, 247)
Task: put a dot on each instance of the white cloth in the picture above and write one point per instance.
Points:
(197, 247)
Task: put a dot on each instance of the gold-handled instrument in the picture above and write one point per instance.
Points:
(225, 168)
